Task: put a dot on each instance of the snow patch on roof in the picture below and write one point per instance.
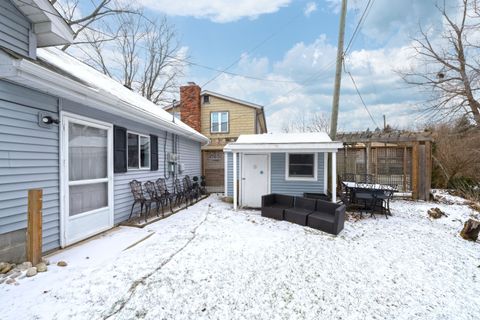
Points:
(278, 138)
(102, 83)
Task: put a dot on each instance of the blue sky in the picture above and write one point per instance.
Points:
(298, 57)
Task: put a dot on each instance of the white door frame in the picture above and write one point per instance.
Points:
(64, 177)
(242, 170)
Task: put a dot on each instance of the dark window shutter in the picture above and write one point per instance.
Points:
(119, 149)
(153, 152)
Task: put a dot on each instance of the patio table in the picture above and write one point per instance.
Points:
(368, 193)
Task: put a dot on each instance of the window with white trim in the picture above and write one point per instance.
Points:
(301, 166)
(219, 122)
(138, 150)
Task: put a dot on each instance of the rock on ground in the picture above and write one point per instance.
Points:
(470, 230)
(42, 267)
(31, 271)
(436, 213)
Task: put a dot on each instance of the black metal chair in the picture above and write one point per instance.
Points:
(366, 179)
(382, 201)
(193, 187)
(187, 192)
(349, 177)
(154, 196)
(203, 185)
(163, 192)
(139, 197)
(180, 195)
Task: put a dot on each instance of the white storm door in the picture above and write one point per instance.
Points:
(255, 179)
(87, 178)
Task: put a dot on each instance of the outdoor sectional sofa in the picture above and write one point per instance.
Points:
(317, 214)
(274, 205)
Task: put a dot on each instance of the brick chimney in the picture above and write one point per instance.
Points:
(190, 105)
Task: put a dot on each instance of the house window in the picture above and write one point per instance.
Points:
(177, 115)
(219, 122)
(301, 166)
(206, 99)
(138, 151)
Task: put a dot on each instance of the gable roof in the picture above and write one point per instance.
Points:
(220, 96)
(224, 97)
(62, 75)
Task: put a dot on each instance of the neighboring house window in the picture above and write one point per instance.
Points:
(301, 166)
(138, 151)
(206, 99)
(177, 115)
(219, 122)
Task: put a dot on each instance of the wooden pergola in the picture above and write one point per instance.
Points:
(403, 158)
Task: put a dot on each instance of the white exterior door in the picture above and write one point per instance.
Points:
(87, 178)
(255, 179)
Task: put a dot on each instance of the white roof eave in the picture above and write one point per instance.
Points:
(283, 147)
(50, 28)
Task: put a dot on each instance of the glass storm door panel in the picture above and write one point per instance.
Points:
(87, 172)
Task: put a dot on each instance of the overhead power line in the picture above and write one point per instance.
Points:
(261, 43)
(359, 25)
(361, 98)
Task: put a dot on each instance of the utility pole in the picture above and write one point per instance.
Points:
(336, 97)
(338, 72)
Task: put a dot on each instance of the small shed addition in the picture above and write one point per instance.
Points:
(286, 163)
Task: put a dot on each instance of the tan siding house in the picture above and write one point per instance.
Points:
(220, 118)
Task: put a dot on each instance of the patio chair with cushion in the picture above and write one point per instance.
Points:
(139, 197)
(301, 209)
(274, 205)
(328, 217)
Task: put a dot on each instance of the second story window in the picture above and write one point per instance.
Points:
(177, 115)
(206, 99)
(219, 122)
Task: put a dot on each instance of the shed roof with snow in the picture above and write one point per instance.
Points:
(280, 142)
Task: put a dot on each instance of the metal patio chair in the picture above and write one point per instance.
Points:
(382, 201)
(154, 196)
(180, 195)
(139, 197)
(193, 188)
(165, 196)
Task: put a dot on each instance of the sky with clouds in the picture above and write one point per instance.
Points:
(291, 46)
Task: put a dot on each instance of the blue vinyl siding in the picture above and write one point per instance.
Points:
(277, 172)
(189, 151)
(29, 158)
(229, 172)
(294, 188)
(15, 29)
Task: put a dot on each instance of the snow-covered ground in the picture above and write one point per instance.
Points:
(209, 262)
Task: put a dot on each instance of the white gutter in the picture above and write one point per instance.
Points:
(26, 72)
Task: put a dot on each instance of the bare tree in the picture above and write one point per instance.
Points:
(448, 65)
(310, 122)
(144, 56)
(102, 9)
(456, 152)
